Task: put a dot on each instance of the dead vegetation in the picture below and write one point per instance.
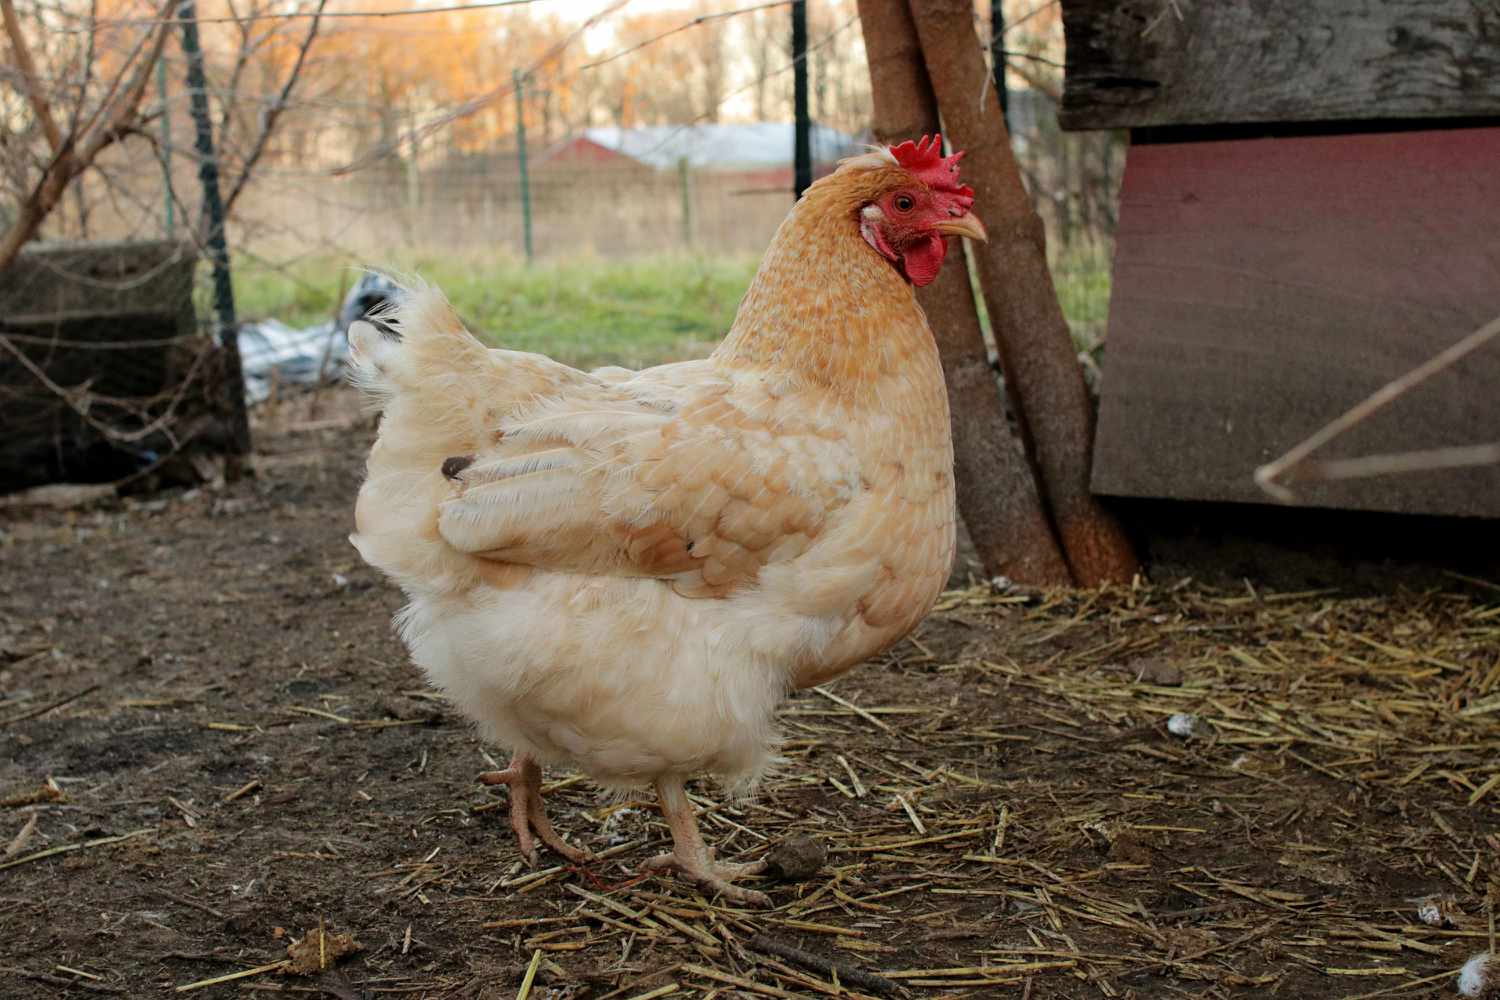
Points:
(212, 750)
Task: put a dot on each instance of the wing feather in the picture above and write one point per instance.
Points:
(705, 492)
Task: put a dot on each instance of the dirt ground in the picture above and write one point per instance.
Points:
(211, 745)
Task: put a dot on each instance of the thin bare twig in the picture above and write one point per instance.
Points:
(693, 23)
(1423, 460)
(1269, 477)
(36, 712)
(475, 104)
(76, 150)
(80, 400)
(71, 983)
(817, 963)
(115, 108)
(288, 15)
(273, 112)
(29, 80)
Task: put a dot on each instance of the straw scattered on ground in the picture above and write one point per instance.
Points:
(232, 758)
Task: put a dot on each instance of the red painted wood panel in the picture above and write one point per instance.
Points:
(1263, 286)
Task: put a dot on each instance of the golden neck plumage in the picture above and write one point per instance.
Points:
(824, 307)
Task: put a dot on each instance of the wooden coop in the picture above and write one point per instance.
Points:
(105, 375)
(1310, 208)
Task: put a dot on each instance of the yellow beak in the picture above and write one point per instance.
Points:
(964, 225)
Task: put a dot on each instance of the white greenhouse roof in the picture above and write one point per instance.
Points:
(761, 144)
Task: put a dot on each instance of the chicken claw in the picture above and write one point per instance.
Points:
(691, 858)
(524, 776)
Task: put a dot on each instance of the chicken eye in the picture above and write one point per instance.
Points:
(904, 203)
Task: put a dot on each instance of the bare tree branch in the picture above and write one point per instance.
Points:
(118, 113)
(87, 64)
(248, 46)
(273, 112)
(1035, 80)
(78, 149)
(81, 400)
(30, 83)
(1042, 374)
(475, 104)
(101, 110)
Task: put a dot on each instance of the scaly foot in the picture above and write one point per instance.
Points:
(711, 876)
(694, 860)
(527, 814)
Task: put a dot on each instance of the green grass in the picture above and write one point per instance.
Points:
(1082, 282)
(584, 313)
(593, 312)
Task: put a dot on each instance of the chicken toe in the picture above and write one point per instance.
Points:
(717, 879)
(692, 859)
(527, 814)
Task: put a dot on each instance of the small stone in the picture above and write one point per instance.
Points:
(1182, 724)
(797, 858)
(1158, 672)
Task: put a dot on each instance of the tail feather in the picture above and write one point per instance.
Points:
(443, 397)
(412, 339)
(431, 380)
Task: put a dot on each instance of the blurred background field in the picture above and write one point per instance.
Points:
(590, 181)
(657, 141)
(586, 312)
(589, 311)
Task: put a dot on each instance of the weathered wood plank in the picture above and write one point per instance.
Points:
(1134, 63)
(1262, 287)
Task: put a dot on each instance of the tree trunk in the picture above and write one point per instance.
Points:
(996, 493)
(1036, 350)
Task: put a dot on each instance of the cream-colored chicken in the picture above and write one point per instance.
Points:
(628, 571)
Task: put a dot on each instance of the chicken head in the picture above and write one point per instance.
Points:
(909, 225)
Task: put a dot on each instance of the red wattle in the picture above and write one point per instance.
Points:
(923, 260)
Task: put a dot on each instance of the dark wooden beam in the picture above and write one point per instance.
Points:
(1134, 63)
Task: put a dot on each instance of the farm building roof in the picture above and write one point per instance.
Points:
(723, 147)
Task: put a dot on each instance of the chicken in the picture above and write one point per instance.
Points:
(629, 571)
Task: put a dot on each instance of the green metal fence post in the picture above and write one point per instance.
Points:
(684, 181)
(997, 57)
(169, 209)
(802, 131)
(520, 80)
(213, 238)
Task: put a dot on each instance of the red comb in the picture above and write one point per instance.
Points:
(925, 159)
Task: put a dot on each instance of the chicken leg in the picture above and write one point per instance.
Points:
(691, 858)
(524, 776)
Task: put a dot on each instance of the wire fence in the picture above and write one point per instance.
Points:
(358, 175)
(340, 139)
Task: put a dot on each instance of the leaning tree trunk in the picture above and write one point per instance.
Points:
(996, 493)
(1036, 350)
